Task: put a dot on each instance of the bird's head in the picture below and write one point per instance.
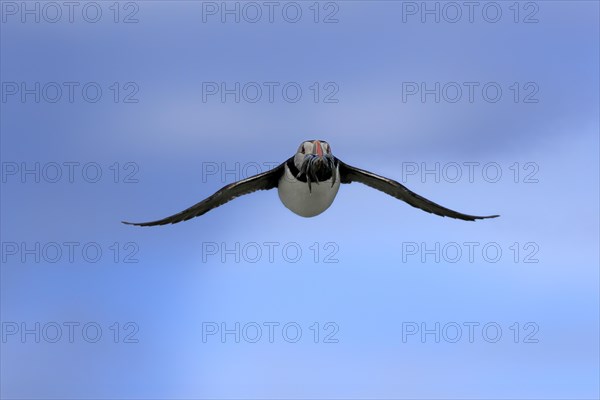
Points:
(314, 159)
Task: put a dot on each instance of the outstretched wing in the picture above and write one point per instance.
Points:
(349, 174)
(265, 181)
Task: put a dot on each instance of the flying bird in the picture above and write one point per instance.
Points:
(307, 184)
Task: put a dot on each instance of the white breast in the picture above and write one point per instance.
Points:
(295, 195)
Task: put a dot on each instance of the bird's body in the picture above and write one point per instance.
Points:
(307, 184)
(305, 201)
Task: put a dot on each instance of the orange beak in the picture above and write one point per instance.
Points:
(317, 149)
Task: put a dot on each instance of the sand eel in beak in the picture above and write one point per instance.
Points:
(307, 184)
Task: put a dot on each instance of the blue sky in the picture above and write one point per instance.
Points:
(367, 270)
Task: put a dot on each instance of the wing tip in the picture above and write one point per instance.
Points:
(487, 217)
(135, 223)
(129, 223)
(153, 223)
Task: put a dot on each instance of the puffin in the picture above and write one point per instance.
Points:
(307, 184)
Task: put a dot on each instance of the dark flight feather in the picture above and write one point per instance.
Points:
(264, 181)
(349, 174)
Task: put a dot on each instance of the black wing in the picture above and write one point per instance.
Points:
(265, 181)
(349, 174)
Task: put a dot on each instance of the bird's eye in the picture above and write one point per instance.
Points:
(302, 149)
(328, 149)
